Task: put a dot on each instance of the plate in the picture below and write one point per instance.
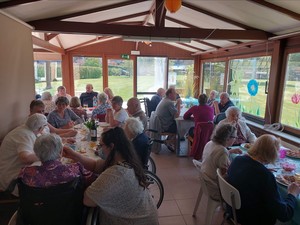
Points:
(246, 146)
(286, 180)
(103, 124)
(293, 154)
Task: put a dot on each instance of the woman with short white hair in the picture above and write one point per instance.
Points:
(134, 130)
(48, 148)
(102, 106)
(47, 100)
(234, 117)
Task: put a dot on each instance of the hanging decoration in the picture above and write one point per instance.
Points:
(173, 5)
(252, 87)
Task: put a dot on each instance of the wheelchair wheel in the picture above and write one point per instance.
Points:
(155, 187)
(151, 165)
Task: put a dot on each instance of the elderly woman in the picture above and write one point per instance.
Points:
(122, 180)
(118, 117)
(61, 92)
(102, 106)
(47, 100)
(234, 117)
(63, 117)
(75, 106)
(201, 113)
(134, 130)
(48, 148)
(262, 203)
(216, 155)
(109, 93)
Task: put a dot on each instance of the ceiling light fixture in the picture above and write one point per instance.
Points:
(173, 5)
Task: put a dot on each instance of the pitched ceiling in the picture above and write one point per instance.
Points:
(62, 25)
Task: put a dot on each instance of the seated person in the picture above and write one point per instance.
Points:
(47, 100)
(201, 113)
(102, 106)
(135, 132)
(48, 148)
(167, 111)
(61, 92)
(16, 150)
(134, 110)
(234, 117)
(122, 179)
(262, 203)
(63, 117)
(155, 100)
(212, 98)
(221, 107)
(87, 97)
(37, 106)
(118, 117)
(109, 94)
(216, 155)
(75, 106)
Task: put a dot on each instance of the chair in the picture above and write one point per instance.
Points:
(101, 117)
(159, 136)
(61, 204)
(93, 216)
(202, 134)
(211, 203)
(230, 195)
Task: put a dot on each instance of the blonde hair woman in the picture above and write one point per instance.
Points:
(261, 200)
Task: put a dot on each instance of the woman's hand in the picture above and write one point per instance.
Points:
(70, 153)
(235, 151)
(294, 189)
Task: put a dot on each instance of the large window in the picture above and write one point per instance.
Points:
(181, 74)
(213, 75)
(151, 74)
(290, 114)
(47, 76)
(120, 77)
(87, 70)
(247, 82)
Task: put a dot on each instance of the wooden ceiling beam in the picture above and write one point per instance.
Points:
(192, 47)
(51, 26)
(8, 4)
(125, 17)
(48, 37)
(151, 12)
(47, 45)
(277, 8)
(160, 13)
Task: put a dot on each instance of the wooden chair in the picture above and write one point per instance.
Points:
(231, 196)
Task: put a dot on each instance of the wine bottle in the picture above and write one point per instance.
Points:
(93, 131)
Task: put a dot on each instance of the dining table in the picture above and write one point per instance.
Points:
(278, 170)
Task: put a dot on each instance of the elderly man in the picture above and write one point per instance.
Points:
(87, 97)
(221, 107)
(212, 98)
(167, 110)
(155, 100)
(37, 106)
(134, 110)
(16, 150)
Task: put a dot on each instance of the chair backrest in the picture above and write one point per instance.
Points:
(61, 204)
(198, 165)
(202, 134)
(230, 194)
(101, 117)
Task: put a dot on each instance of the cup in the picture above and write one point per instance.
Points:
(85, 106)
(282, 153)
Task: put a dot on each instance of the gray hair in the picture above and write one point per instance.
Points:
(102, 97)
(36, 121)
(46, 95)
(223, 132)
(225, 94)
(233, 110)
(61, 88)
(62, 100)
(48, 147)
(134, 125)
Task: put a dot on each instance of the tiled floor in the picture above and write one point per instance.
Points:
(181, 185)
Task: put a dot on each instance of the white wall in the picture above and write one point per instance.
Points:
(16, 73)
